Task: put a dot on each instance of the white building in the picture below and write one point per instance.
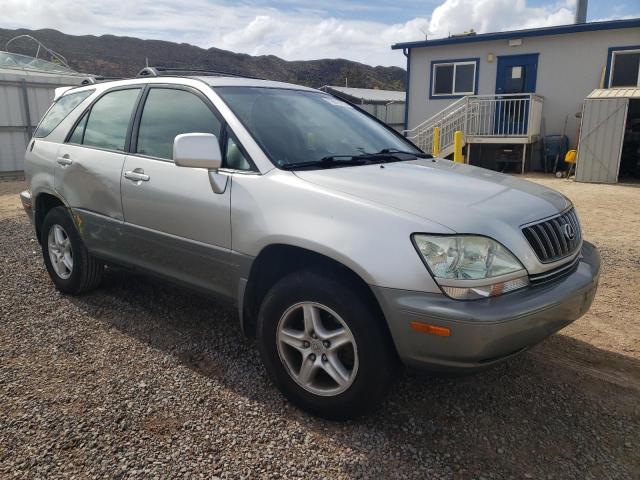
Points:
(512, 88)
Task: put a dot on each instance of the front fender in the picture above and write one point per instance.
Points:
(372, 240)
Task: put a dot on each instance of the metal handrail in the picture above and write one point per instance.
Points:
(495, 115)
(440, 114)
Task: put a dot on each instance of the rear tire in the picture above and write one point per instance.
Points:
(70, 265)
(299, 319)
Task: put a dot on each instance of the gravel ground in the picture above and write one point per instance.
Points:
(139, 379)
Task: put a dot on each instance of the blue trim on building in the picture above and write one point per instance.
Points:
(532, 32)
(607, 71)
(407, 82)
(453, 60)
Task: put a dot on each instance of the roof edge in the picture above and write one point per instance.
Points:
(530, 32)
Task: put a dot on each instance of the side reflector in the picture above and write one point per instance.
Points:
(431, 329)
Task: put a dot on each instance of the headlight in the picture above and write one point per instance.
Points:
(468, 267)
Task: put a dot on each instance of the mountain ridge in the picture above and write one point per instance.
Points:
(124, 56)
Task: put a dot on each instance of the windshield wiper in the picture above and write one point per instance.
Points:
(406, 152)
(327, 162)
(384, 155)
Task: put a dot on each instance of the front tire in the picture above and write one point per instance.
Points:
(324, 345)
(71, 268)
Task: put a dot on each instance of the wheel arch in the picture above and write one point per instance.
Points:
(44, 202)
(278, 260)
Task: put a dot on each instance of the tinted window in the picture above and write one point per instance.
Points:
(625, 69)
(295, 126)
(59, 111)
(464, 77)
(444, 79)
(170, 112)
(78, 132)
(234, 157)
(109, 120)
(454, 78)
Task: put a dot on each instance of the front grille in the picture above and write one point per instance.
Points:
(554, 238)
(556, 273)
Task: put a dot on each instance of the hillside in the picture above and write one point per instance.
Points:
(114, 56)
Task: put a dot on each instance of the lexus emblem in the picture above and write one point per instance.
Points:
(569, 231)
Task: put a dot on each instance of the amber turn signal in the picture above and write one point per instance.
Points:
(430, 329)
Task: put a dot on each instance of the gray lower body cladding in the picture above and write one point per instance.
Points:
(203, 267)
(484, 332)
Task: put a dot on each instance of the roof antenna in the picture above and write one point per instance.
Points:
(424, 31)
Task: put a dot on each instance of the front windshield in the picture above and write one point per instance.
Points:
(295, 126)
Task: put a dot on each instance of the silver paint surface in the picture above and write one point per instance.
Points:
(204, 228)
(463, 198)
(92, 181)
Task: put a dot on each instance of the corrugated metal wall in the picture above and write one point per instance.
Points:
(601, 136)
(392, 113)
(24, 98)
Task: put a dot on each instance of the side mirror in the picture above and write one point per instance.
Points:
(197, 150)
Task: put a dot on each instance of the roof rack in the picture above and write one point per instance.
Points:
(168, 71)
(98, 79)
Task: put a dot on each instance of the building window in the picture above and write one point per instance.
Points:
(454, 78)
(625, 68)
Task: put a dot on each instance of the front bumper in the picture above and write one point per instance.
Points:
(25, 198)
(484, 332)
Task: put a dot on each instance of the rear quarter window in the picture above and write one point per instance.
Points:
(59, 111)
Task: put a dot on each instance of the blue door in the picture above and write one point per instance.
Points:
(515, 74)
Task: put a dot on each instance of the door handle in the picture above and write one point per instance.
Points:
(64, 160)
(136, 175)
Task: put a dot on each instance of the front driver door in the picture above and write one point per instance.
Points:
(177, 224)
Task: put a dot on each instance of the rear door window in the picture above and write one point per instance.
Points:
(169, 112)
(106, 125)
(59, 111)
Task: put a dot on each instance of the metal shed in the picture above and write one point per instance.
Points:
(386, 105)
(604, 115)
(27, 88)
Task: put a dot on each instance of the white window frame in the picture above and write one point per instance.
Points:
(453, 93)
(614, 53)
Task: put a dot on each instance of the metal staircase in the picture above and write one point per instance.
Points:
(510, 118)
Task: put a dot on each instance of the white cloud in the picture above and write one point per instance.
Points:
(494, 16)
(301, 34)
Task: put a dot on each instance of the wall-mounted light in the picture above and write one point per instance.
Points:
(490, 57)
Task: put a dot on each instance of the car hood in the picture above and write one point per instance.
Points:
(464, 198)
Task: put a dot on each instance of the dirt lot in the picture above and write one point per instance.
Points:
(139, 379)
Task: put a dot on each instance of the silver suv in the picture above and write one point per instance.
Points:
(346, 249)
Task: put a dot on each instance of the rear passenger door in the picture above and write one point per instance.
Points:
(89, 164)
(177, 223)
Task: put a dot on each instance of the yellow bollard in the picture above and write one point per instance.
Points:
(436, 141)
(457, 147)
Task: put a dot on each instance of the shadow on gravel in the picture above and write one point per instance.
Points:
(563, 410)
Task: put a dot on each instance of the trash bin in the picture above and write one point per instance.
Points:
(555, 146)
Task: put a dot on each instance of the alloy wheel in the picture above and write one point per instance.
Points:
(317, 348)
(60, 252)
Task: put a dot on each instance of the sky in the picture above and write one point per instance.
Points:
(360, 30)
